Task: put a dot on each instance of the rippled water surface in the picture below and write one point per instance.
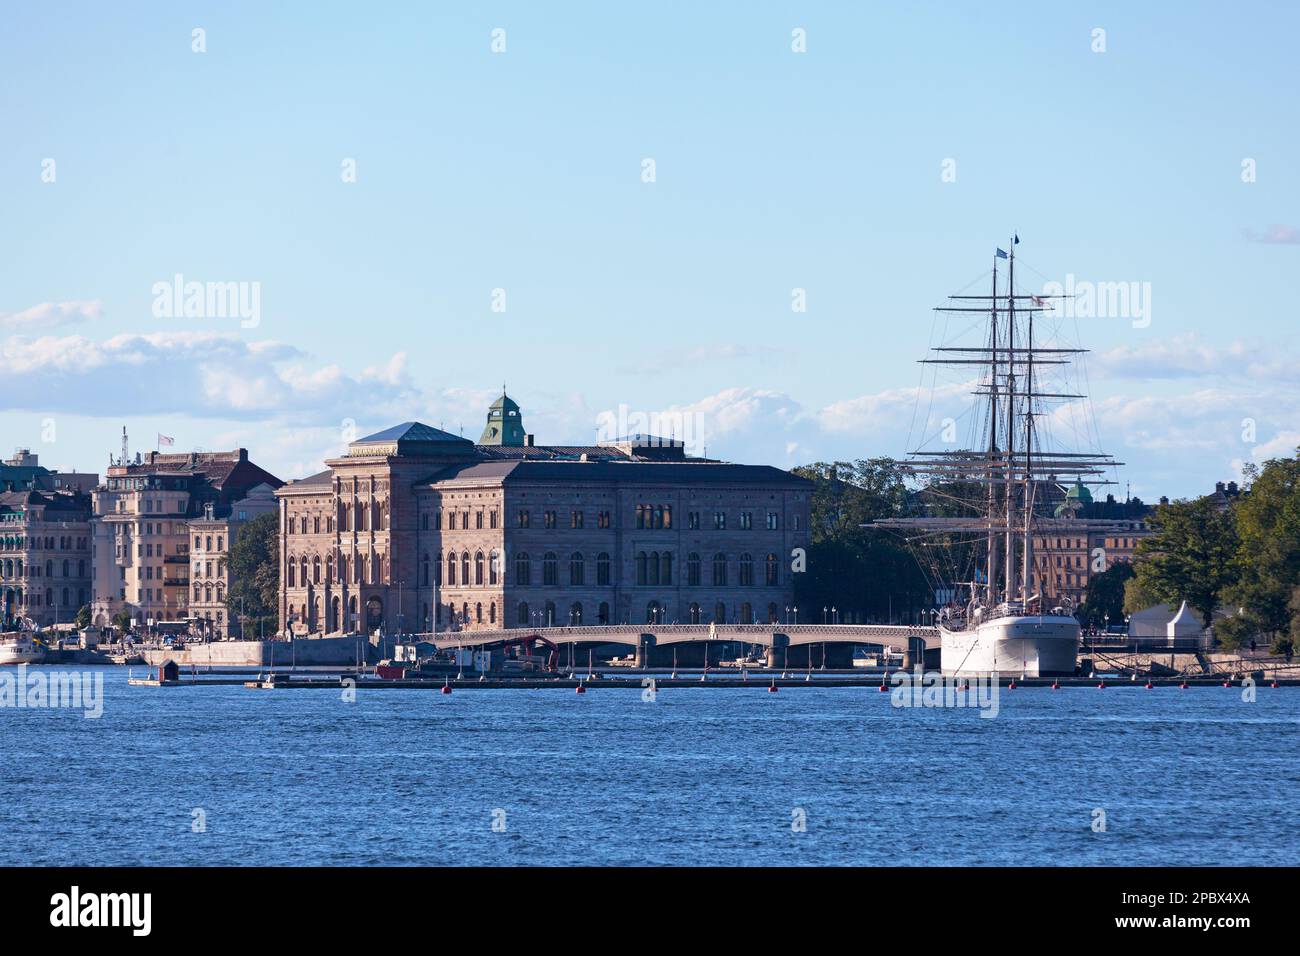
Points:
(697, 776)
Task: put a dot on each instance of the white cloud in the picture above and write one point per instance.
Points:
(51, 315)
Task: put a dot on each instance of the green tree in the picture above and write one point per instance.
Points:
(1104, 598)
(855, 569)
(1268, 525)
(253, 597)
(122, 620)
(1136, 597)
(82, 619)
(1192, 555)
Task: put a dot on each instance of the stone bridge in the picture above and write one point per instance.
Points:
(795, 645)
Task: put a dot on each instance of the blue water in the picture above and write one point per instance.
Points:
(695, 777)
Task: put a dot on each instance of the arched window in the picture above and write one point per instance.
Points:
(694, 613)
(720, 613)
(424, 570)
(329, 567)
(492, 613)
(478, 613)
(746, 570)
(719, 570)
(464, 568)
(291, 575)
(666, 567)
(523, 569)
(522, 618)
(315, 569)
(652, 566)
(602, 569)
(494, 567)
(654, 613)
(66, 566)
(693, 570)
(302, 567)
(478, 568)
(576, 571)
(746, 614)
(771, 613)
(549, 619)
(550, 571)
(575, 614)
(641, 576)
(451, 568)
(602, 615)
(772, 572)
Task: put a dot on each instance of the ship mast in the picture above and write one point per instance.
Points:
(1011, 478)
(1008, 587)
(991, 569)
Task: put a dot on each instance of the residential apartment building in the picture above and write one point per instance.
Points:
(45, 551)
(212, 536)
(142, 535)
(415, 529)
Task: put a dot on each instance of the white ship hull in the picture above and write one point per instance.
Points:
(1044, 645)
(20, 653)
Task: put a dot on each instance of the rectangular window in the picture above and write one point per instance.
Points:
(575, 519)
(773, 521)
(523, 518)
(719, 521)
(548, 519)
(746, 520)
(693, 520)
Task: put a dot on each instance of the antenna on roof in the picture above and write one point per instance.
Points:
(125, 448)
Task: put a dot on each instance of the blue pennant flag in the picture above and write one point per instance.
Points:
(1016, 238)
(1001, 254)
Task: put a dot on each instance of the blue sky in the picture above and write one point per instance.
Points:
(522, 171)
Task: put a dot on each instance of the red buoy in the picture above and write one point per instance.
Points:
(1012, 685)
(580, 689)
(1056, 685)
(772, 688)
(446, 688)
(1150, 685)
(883, 687)
(1101, 686)
(1227, 683)
(1183, 686)
(1273, 685)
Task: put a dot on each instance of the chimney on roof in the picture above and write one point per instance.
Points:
(1218, 486)
(243, 454)
(528, 441)
(1232, 487)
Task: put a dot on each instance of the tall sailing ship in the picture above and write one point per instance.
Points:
(1004, 488)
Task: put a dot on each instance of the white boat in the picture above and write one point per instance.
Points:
(20, 649)
(998, 496)
(1017, 644)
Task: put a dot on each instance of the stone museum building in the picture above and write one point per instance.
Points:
(414, 529)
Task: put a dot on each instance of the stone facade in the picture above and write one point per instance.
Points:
(415, 530)
(45, 556)
(142, 521)
(212, 537)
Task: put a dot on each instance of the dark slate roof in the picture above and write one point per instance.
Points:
(320, 478)
(517, 452)
(412, 432)
(638, 472)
